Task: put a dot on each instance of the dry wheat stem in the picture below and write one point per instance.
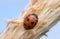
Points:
(48, 12)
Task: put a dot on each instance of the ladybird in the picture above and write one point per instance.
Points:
(30, 21)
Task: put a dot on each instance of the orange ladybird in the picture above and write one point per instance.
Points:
(30, 21)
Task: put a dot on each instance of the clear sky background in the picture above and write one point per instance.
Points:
(12, 8)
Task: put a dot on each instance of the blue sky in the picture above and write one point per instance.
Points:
(12, 8)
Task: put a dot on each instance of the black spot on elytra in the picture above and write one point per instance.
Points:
(27, 19)
(29, 27)
(32, 23)
(24, 24)
(35, 23)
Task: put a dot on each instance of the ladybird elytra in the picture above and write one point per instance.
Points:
(30, 21)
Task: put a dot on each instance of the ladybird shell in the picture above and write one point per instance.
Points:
(30, 21)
